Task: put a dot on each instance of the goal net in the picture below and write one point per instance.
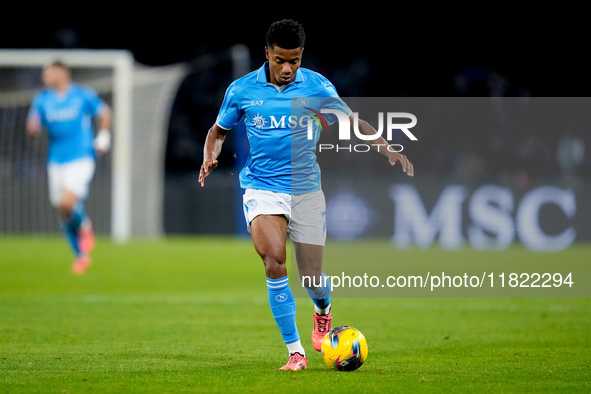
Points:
(125, 197)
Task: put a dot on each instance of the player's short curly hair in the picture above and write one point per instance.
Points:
(286, 34)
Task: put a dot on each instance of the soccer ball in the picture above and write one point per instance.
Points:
(344, 348)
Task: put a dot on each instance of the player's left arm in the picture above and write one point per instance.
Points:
(393, 157)
(102, 141)
(100, 111)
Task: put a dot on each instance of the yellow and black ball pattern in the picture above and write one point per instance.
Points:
(344, 348)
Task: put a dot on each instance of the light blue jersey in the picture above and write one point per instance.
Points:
(281, 158)
(68, 119)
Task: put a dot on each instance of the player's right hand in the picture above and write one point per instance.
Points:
(33, 126)
(206, 168)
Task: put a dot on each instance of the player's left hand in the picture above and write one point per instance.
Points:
(407, 167)
(102, 142)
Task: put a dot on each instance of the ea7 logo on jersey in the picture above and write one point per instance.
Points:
(256, 102)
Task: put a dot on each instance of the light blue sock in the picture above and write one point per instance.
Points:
(77, 217)
(283, 308)
(320, 294)
(72, 238)
(71, 226)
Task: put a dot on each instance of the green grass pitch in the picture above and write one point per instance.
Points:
(191, 315)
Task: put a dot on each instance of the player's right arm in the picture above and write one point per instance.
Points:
(33, 124)
(211, 150)
(33, 127)
(229, 115)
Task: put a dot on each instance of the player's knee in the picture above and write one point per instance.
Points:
(274, 263)
(65, 209)
(275, 270)
(66, 204)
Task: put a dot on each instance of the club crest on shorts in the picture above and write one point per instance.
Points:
(251, 204)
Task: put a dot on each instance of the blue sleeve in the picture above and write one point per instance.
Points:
(230, 112)
(332, 100)
(36, 109)
(94, 105)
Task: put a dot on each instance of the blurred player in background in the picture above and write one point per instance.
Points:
(67, 111)
(282, 197)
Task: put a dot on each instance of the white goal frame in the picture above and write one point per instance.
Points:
(122, 63)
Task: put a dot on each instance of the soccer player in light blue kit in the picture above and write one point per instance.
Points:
(67, 111)
(283, 193)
